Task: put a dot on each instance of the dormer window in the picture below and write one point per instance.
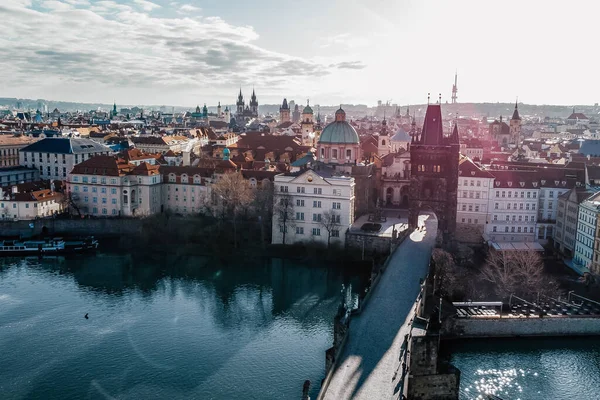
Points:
(543, 181)
(535, 184)
(522, 184)
(509, 184)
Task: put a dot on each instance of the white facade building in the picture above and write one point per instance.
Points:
(586, 231)
(110, 187)
(316, 202)
(28, 205)
(56, 157)
(473, 193)
(513, 207)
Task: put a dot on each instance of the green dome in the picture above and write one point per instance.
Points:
(307, 110)
(339, 132)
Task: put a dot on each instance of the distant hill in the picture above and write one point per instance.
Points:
(493, 110)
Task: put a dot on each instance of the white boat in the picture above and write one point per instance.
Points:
(19, 247)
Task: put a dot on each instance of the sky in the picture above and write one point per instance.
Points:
(190, 52)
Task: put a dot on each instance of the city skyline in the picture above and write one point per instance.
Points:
(183, 53)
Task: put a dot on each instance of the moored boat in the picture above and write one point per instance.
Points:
(47, 246)
(37, 247)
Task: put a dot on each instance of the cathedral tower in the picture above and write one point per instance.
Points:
(284, 112)
(254, 104)
(240, 103)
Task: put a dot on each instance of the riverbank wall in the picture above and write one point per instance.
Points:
(464, 328)
(72, 227)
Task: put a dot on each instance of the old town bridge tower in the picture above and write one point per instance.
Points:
(434, 173)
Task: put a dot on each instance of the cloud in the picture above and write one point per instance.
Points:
(189, 8)
(113, 46)
(55, 5)
(146, 5)
(349, 65)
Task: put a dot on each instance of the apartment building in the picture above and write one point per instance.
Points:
(312, 206)
(56, 157)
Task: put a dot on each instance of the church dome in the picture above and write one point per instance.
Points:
(307, 110)
(339, 131)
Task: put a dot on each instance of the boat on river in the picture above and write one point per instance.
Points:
(47, 246)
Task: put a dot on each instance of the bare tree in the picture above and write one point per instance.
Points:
(262, 206)
(67, 202)
(330, 220)
(233, 195)
(446, 273)
(283, 210)
(517, 272)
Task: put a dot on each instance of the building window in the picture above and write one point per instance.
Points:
(494, 229)
(299, 230)
(334, 153)
(94, 199)
(316, 204)
(104, 200)
(316, 232)
(496, 206)
(300, 189)
(348, 154)
(85, 199)
(335, 233)
(316, 217)
(318, 191)
(113, 191)
(464, 207)
(114, 201)
(300, 216)
(103, 190)
(300, 203)
(337, 206)
(476, 208)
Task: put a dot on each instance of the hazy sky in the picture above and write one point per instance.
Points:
(189, 52)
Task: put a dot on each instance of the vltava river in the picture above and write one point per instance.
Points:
(528, 369)
(164, 327)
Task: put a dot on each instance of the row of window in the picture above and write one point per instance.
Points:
(514, 218)
(514, 229)
(315, 231)
(429, 168)
(94, 189)
(470, 207)
(334, 153)
(527, 206)
(472, 194)
(530, 195)
(472, 183)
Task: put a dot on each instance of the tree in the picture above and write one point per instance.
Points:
(330, 220)
(263, 200)
(233, 195)
(517, 272)
(283, 210)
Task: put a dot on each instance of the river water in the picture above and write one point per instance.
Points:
(164, 327)
(528, 369)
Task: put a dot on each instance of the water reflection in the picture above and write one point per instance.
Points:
(527, 369)
(164, 326)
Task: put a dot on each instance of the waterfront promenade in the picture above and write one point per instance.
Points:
(368, 365)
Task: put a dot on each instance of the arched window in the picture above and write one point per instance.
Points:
(184, 178)
(383, 142)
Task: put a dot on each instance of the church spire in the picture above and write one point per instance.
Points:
(516, 115)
